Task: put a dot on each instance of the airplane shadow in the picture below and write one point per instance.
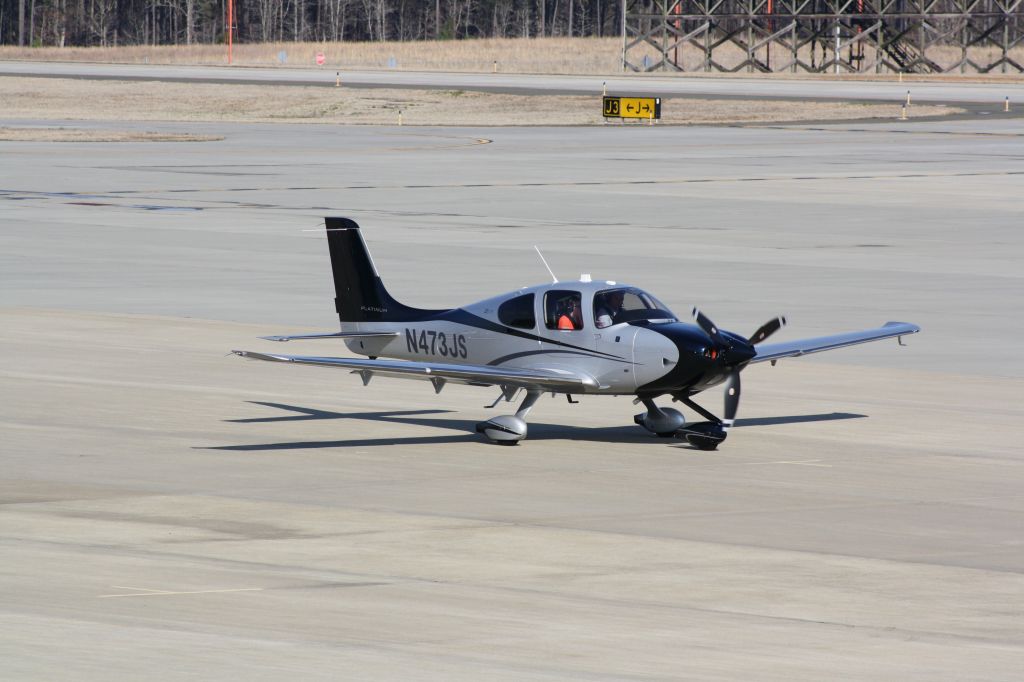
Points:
(309, 413)
(790, 419)
(465, 429)
(799, 419)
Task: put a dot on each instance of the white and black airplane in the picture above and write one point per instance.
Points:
(585, 337)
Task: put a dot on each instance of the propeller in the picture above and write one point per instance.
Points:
(767, 329)
(732, 398)
(705, 323)
(732, 384)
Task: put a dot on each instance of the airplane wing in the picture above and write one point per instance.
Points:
(477, 375)
(792, 349)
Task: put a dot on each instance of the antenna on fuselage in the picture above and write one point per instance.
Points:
(554, 279)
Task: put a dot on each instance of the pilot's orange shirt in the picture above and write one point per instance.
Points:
(565, 322)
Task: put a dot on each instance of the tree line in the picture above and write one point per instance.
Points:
(186, 22)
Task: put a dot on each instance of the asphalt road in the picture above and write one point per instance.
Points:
(170, 511)
(991, 93)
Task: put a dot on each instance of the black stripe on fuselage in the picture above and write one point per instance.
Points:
(523, 354)
(460, 316)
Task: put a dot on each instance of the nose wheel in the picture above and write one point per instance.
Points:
(704, 435)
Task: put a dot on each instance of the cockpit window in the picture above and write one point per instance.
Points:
(626, 304)
(563, 310)
(518, 312)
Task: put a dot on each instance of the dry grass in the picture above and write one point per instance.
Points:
(513, 55)
(518, 55)
(63, 134)
(60, 99)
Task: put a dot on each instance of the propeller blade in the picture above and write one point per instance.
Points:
(709, 327)
(767, 329)
(732, 399)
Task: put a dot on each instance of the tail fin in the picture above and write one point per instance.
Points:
(360, 295)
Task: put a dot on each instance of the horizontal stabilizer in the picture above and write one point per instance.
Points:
(334, 335)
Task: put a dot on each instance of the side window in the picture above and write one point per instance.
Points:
(518, 312)
(563, 310)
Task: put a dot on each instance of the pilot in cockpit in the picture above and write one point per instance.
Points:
(569, 315)
(607, 305)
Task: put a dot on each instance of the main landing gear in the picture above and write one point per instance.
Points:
(511, 428)
(665, 422)
(661, 421)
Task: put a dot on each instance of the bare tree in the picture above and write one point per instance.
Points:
(458, 13)
(337, 11)
(501, 15)
(376, 18)
(266, 12)
(190, 20)
(101, 15)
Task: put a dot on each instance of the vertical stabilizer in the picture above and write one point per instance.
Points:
(359, 293)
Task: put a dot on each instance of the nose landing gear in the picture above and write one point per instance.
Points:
(665, 422)
(703, 435)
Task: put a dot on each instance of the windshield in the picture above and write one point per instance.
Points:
(626, 304)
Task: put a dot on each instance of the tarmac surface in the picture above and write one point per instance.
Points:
(171, 512)
(992, 92)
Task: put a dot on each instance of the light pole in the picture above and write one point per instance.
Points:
(231, 25)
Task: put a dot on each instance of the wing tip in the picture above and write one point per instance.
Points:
(911, 327)
(253, 355)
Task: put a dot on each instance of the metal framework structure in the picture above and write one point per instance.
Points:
(824, 36)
